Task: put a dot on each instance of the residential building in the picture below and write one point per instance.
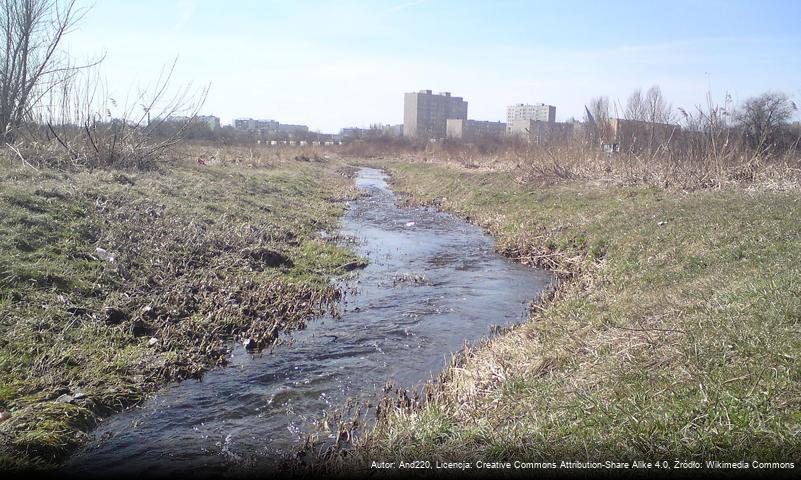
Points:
(522, 111)
(251, 124)
(425, 113)
(353, 132)
(472, 129)
(269, 125)
(244, 124)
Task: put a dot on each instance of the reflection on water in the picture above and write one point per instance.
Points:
(433, 282)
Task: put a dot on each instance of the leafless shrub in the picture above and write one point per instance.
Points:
(597, 118)
(55, 113)
(764, 120)
(81, 126)
(31, 60)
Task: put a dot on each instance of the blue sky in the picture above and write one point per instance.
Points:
(332, 64)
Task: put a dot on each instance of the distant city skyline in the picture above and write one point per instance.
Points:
(340, 64)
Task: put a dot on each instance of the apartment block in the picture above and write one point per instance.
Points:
(244, 124)
(251, 124)
(522, 111)
(269, 125)
(472, 129)
(425, 114)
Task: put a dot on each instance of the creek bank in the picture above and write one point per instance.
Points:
(666, 292)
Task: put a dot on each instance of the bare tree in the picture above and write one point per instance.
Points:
(31, 63)
(657, 114)
(598, 120)
(764, 118)
(635, 107)
(657, 109)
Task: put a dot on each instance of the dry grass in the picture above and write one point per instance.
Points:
(257, 156)
(547, 165)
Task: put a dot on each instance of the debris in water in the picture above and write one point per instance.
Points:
(410, 224)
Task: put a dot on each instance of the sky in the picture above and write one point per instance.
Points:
(335, 64)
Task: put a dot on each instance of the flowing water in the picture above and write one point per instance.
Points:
(433, 282)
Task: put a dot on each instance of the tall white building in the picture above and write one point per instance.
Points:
(522, 111)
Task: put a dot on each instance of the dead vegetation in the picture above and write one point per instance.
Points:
(753, 145)
(256, 156)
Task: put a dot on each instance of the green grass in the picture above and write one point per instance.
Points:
(202, 256)
(675, 332)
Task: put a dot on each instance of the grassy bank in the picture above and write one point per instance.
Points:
(675, 331)
(113, 283)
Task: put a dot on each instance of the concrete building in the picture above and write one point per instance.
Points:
(270, 129)
(244, 124)
(472, 129)
(425, 113)
(269, 125)
(251, 124)
(539, 112)
(353, 132)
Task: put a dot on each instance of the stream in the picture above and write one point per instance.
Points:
(433, 283)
